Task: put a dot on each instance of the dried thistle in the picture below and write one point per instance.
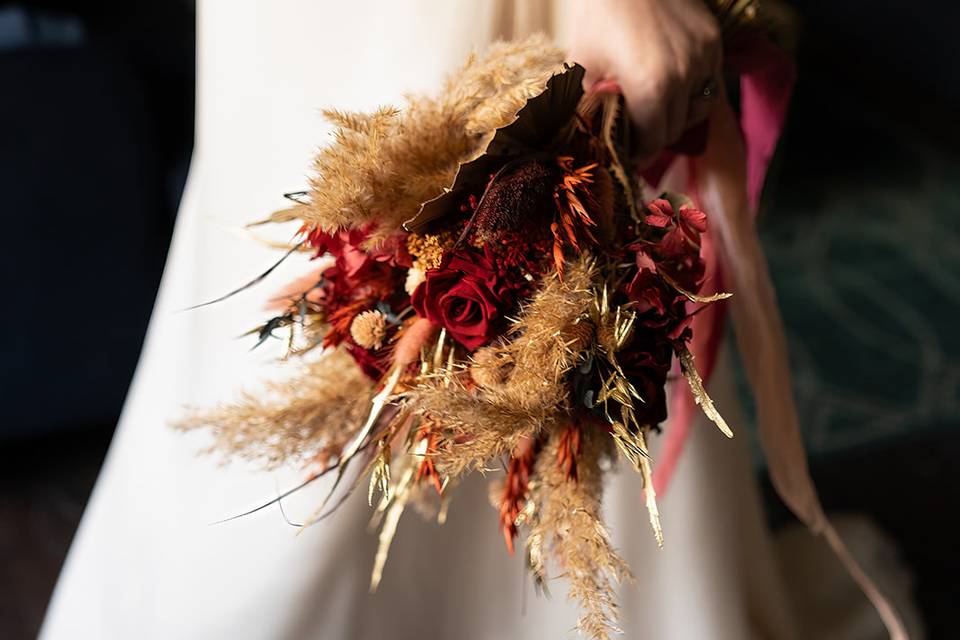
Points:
(369, 329)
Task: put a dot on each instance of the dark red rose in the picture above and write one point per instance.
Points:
(465, 295)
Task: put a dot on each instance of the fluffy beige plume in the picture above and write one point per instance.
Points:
(523, 382)
(549, 336)
(383, 166)
(568, 528)
(304, 416)
(476, 431)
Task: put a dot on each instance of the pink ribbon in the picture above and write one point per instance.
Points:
(767, 77)
(727, 180)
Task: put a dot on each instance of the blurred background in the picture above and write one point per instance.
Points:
(861, 222)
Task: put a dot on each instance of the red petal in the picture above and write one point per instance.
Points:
(658, 220)
(694, 217)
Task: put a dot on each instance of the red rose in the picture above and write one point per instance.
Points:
(465, 295)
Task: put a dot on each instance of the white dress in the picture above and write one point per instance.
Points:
(146, 563)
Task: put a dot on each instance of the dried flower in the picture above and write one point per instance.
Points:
(505, 319)
(383, 166)
(569, 525)
(519, 197)
(369, 329)
(427, 249)
(414, 277)
(515, 488)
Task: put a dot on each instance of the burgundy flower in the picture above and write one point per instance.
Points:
(466, 295)
(646, 362)
(673, 255)
(648, 291)
(360, 277)
(373, 365)
(677, 251)
(365, 271)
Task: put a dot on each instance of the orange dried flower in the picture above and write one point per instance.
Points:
(515, 488)
(568, 450)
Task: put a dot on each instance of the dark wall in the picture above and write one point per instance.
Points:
(97, 115)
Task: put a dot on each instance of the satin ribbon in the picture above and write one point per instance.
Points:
(767, 77)
(726, 181)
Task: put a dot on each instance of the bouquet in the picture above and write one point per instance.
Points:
(494, 294)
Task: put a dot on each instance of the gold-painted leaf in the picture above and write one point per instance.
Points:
(699, 392)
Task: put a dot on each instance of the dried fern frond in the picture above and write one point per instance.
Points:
(295, 419)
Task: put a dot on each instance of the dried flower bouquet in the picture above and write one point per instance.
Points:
(497, 298)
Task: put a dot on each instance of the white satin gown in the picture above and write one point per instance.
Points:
(146, 563)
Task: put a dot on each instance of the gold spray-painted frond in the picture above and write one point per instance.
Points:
(615, 326)
(699, 392)
(360, 438)
(380, 476)
(650, 495)
(390, 511)
(692, 297)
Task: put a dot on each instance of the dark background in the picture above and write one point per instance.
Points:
(861, 221)
(96, 114)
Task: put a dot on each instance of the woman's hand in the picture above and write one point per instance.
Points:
(663, 54)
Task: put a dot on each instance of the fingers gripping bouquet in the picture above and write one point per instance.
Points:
(496, 298)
